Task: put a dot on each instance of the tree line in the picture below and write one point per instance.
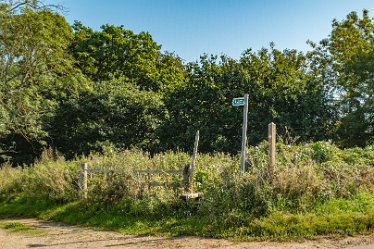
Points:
(78, 90)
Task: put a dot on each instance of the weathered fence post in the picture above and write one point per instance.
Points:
(187, 178)
(83, 180)
(190, 167)
(272, 133)
(194, 154)
(148, 181)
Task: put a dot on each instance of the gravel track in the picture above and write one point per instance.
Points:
(61, 236)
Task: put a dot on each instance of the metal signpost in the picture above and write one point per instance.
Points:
(243, 101)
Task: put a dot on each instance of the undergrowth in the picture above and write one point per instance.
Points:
(317, 189)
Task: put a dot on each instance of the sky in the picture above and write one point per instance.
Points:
(190, 28)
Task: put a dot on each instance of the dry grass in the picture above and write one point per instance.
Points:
(313, 179)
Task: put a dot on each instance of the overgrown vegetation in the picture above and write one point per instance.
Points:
(91, 94)
(318, 189)
(78, 90)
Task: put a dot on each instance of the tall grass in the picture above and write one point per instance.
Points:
(312, 184)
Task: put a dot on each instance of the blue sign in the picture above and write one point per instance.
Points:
(238, 101)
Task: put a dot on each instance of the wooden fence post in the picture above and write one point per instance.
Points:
(194, 154)
(189, 168)
(148, 181)
(83, 180)
(187, 178)
(272, 133)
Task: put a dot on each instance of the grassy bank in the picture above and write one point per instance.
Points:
(318, 189)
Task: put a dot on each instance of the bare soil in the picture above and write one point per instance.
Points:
(61, 236)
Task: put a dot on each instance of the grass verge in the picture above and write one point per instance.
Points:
(278, 225)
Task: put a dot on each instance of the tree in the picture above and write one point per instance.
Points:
(280, 88)
(35, 71)
(115, 52)
(115, 114)
(350, 49)
(357, 124)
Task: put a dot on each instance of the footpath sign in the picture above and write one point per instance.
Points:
(243, 101)
(238, 101)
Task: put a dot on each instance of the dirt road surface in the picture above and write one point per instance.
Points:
(60, 236)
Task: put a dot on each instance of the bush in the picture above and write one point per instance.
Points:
(116, 115)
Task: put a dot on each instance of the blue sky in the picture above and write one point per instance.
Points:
(193, 27)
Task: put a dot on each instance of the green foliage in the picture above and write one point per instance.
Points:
(36, 71)
(83, 92)
(52, 181)
(346, 57)
(116, 115)
(280, 90)
(115, 52)
(317, 189)
(78, 90)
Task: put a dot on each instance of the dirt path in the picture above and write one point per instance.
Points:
(60, 236)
